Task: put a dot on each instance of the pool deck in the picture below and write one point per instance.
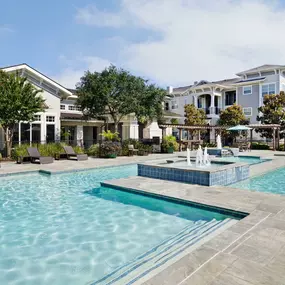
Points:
(250, 252)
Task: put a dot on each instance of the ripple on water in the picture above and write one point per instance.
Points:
(53, 232)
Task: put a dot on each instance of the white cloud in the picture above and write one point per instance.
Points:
(5, 29)
(74, 69)
(200, 39)
(90, 15)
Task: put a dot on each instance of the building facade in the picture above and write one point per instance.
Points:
(247, 90)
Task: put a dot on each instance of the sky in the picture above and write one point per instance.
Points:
(170, 42)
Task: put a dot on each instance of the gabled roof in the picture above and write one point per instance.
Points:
(37, 73)
(257, 79)
(264, 67)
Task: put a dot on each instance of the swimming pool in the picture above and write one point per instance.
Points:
(251, 160)
(63, 229)
(272, 182)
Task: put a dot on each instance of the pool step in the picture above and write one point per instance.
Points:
(159, 255)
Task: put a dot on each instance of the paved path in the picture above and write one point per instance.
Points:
(249, 253)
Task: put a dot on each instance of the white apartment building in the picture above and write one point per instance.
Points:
(247, 90)
(62, 116)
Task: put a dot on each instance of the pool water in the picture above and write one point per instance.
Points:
(63, 229)
(272, 182)
(251, 160)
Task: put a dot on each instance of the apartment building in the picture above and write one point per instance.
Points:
(247, 90)
(62, 119)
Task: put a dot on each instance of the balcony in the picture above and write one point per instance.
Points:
(211, 110)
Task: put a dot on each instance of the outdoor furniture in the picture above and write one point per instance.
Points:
(36, 157)
(132, 150)
(72, 154)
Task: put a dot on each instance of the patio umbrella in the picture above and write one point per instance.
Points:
(239, 128)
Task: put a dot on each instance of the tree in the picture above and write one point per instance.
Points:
(272, 112)
(174, 121)
(117, 93)
(232, 116)
(194, 116)
(19, 101)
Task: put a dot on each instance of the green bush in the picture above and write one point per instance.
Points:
(110, 149)
(209, 145)
(78, 149)
(20, 150)
(168, 143)
(110, 136)
(281, 147)
(93, 150)
(259, 146)
(125, 146)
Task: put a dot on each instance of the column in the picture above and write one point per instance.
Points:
(79, 135)
(212, 107)
(195, 101)
(163, 132)
(130, 130)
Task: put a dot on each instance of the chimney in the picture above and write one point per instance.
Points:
(170, 89)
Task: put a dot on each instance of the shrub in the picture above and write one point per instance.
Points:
(93, 150)
(209, 145)
(20, 150)
(125, 145)
(259, 146)
(110, 136)
(169, 142)
(281, 147)
(78, 149)
(110, 148)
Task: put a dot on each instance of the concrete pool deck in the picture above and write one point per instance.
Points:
(249, 253)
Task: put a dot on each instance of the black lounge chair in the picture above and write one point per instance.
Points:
(71, 154)
(36, 157)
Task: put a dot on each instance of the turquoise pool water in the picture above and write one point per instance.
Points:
(247, 159)
(62, 229)
(272, 182)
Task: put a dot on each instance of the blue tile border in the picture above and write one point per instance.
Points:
(223, 177)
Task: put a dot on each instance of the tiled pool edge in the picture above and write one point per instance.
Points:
(207, 177)
(230, 212)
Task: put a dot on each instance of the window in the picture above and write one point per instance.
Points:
(37, 118)
(73, 108)
(247, 111)
(230, 98)
(268, 89)
(62, 107)
(174, 105)
(50, 118)
(185, 100)
(166, 106)
(247, 90)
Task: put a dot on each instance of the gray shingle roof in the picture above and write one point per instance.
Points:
(262, 68)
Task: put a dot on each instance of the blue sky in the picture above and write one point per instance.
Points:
(172, 42)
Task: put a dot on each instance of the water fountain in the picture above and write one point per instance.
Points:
(188, 157)
(202, 159)
(219, 142)
(206, 158)
(199, 156)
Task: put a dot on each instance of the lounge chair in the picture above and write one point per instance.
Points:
(132, 150)
(36, 157)
(72, 154)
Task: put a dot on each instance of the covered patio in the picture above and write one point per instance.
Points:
(217, 130)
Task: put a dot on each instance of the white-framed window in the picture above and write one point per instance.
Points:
(62, 107)
(247, 90)
(268, 89)
(36, 118)
(73, 108)
(247, 111)
(50, 119)
(185, 100)
(282, 87)
(174, 105)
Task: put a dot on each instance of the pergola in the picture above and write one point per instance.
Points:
(181, 127)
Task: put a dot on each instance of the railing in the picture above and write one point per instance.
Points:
(206, 110)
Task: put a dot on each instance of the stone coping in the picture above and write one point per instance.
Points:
(250, 252)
